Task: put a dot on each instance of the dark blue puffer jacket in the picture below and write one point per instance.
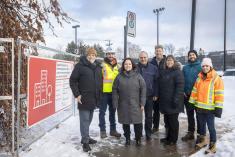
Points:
(150, 74)
(191, 71)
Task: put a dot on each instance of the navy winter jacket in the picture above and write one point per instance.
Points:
(150, 74)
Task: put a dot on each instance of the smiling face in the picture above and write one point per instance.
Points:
(143, 58)
(192, 57)
(170, 62)
(127, 65)
(91, 57)
(110, 56)
(159, 53)
(206, 68)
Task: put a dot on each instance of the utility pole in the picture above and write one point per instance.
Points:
(109, 43)
(192, 37)
(125, 41)
(76, 39)
(157, 12)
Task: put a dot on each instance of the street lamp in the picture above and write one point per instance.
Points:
(157, 12)
(76, 39)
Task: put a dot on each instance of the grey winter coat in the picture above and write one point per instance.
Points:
(129, 92)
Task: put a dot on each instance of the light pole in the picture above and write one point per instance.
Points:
(193, 17)
(225, 30)
(157, 12)
(76, 39)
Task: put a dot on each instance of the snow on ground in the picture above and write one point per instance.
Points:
(225, 144)
(65, 140)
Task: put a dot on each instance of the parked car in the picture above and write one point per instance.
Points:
(229, 72)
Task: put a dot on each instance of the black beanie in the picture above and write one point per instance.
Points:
(193, 51)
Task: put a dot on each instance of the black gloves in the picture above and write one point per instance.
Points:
(218, 112)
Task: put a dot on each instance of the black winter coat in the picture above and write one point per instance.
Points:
(161, 65)
(171, 90)
(86, 80)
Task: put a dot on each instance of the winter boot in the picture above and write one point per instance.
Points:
(115, 134)
(92, 141)
(103, 134)
(138, 142)
(163, 140)
(155, 130)
(211, 149)
(86, 147)
(201, 142)
(188, 136)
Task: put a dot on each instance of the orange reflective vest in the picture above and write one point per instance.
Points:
(208, 93)
(109, 74)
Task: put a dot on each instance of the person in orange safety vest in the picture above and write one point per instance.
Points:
(208, 97)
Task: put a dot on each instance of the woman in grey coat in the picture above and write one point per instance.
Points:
(129, 97)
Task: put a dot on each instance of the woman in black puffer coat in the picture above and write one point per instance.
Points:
(171, 96)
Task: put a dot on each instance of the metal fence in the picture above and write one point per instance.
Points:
(15, 135)
(7, 95)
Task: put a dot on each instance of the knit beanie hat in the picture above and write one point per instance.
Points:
(207, 61)
(193, 51)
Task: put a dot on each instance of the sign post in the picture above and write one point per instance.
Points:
(129, 29)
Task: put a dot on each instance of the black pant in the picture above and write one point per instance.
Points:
(137, 128)
(172, 122)
(156, 114)
(148, 110)
(190, 114)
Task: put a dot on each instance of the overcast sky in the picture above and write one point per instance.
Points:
(102, 20)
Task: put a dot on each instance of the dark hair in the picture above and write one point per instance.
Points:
(193, 51)
(170, 56)
(132, 62)
(158, 47)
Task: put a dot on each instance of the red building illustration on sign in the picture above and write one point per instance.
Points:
(41, 89)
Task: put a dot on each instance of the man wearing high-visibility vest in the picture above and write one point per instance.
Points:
(109, 72)
(208, 97)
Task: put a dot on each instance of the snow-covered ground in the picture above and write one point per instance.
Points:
(65, 140)
(225, 144)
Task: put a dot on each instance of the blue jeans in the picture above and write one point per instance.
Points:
(107, 101)
(85, 121)
(209, 119)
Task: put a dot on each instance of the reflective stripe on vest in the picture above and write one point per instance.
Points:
(109, 74)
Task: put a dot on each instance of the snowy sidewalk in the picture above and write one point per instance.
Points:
(65, 140)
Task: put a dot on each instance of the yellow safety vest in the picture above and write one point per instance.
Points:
(109, 74)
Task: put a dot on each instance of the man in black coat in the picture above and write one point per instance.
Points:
(158, 61)
(86, 85)
(150, 74)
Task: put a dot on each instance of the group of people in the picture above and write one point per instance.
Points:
(149, 87)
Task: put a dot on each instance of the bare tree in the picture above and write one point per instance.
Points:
(24, 18)
(169, 48)
(134, 50)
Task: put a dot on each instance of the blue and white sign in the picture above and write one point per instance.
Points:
(131, 24)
